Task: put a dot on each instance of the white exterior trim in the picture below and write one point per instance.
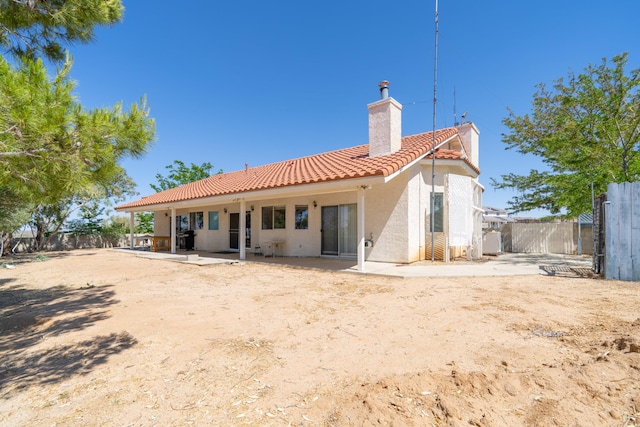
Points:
(361, 227)
(172, 230)
(132, 223)
(242, 236)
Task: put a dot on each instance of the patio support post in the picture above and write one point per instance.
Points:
(173, 230)
(242, 235)
(361, 228)
(132, 224)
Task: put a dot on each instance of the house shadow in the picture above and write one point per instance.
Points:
(29, 316)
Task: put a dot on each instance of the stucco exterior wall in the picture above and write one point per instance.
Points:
(415, 206)
(386, 219)
(401, 216)
(297, 242)
(386, 210)
(397, 220)
(160, 224)
(425, 197)
(205, 239)
(213, 240)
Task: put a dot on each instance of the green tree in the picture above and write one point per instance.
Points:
(180, 174)
(144, 222)
(92, 223)
(47, 219)
(586, 130)
(54, 154)
(113, 228)
(40, 28)
(89, 221)
(13, 215)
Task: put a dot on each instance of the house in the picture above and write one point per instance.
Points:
(495, 218)
(371, 202)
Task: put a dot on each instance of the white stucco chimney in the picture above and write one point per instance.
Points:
(385, 124)
(469, 134)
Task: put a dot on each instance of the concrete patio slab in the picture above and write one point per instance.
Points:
(503, 265)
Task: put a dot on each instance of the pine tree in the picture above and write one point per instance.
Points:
(54, 152)
(42, 28)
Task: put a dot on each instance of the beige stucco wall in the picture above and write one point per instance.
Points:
(384, 205)
(415, 207)
(160, 224)
(205, 239)
(399, 217)
(386, 217)
(396, 219)
(304, 243)
(425, 197)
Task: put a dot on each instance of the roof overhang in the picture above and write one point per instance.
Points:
(419, 159)
(338, 186)
(459, 167)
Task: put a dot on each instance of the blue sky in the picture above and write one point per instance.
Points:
(258, 82)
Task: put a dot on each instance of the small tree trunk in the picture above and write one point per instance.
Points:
(39, 240)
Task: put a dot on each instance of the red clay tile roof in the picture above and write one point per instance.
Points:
(347, 163)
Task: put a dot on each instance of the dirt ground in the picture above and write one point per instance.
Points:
(105, 338)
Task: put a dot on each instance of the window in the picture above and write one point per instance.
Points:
(438, 213)
(213, 220)
(273, 217)
(279, 217)
(196, 220)
(302, 217)
(182, 223)
(267, 217)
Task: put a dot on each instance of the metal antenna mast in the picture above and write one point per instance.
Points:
(433, 146)
(455, 115)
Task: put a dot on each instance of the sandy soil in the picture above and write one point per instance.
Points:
(102, 338)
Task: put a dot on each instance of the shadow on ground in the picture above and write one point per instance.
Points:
(26, 257)
(29, 316)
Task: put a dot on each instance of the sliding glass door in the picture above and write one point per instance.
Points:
(340, 230)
